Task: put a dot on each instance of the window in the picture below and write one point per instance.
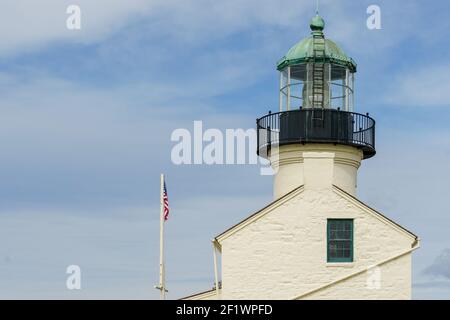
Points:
(340, 240)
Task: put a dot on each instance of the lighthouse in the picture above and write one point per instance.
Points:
(316, 118)
(316, 239)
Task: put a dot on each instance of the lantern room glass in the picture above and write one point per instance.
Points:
(296, 87)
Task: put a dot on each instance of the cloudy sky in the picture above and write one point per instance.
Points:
(86, 118)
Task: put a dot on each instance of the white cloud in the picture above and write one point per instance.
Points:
(441, 266)
(28, 25)
(31, 25)
(65, 138)
(424, 86)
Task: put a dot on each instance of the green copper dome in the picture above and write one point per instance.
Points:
(303, 51)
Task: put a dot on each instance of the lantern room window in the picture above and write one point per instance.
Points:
(299, 87)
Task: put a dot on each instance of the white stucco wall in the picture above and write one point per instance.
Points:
(391, 281)
(282, 254)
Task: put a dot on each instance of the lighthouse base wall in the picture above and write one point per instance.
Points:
(316, 166)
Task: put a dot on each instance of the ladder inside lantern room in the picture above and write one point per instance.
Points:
(318, 77)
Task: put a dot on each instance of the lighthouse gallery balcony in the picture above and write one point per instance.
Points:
(316, 126)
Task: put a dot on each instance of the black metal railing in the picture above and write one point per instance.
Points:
(316, 126)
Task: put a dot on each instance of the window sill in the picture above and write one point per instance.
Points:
(340, 264)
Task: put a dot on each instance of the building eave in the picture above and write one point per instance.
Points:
(200, 295)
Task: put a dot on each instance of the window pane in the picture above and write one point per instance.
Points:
(333, 251)
(346, 235)
(332, 234)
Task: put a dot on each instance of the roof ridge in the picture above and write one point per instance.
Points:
(375, 211)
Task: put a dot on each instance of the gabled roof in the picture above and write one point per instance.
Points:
(262, 212)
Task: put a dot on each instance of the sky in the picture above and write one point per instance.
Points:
(86, 118)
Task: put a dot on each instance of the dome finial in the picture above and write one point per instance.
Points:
(317, 23)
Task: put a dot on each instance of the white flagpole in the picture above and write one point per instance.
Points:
(162, 284)
(216, 277)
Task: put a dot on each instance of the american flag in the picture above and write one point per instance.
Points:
(166, 203)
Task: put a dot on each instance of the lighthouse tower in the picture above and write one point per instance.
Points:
(316, 239)
(316, 119)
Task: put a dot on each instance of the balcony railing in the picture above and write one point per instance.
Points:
(316, 126)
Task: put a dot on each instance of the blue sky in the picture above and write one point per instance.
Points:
(86, 118)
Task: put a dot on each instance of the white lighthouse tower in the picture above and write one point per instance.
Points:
(315, 240)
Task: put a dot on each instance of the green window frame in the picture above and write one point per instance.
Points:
(340, 240)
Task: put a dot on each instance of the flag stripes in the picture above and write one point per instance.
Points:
(166, 203)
